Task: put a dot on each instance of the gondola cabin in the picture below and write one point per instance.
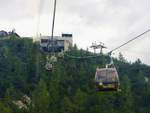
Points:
(106, 79)
(49, 67)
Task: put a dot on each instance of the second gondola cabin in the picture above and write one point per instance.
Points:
(106, 79)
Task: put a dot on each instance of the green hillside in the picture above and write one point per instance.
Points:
(69, 88)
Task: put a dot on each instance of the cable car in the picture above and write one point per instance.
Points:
(106, 79)
(49, 66)
(50, 61)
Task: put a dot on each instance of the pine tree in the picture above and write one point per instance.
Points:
(40, 99)
(126, 98)
(4, 108)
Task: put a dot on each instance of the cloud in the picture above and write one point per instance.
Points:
(110, 21)
(18, 9)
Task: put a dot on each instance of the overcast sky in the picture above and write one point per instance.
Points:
(109, 21)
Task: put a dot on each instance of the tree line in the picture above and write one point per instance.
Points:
(70, 87)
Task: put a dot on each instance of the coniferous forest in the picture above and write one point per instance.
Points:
(70, 87)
